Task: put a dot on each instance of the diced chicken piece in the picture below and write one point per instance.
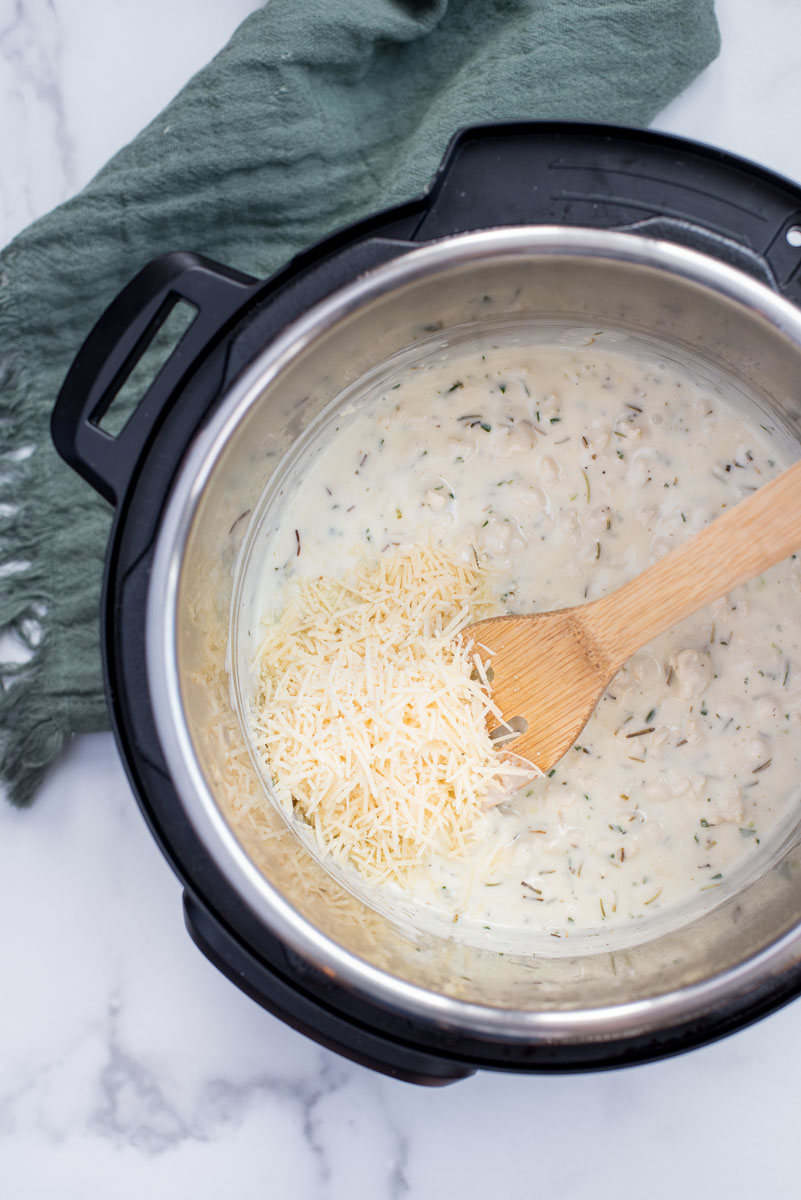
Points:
(658, 788)
(500, 538)
(640, 468)
(629, 428)
(757, 750)
(567, 838)
(663, 737)
(549, 407)
(730, 708)
(461, 447)
(437, 499)
(569, 529)
(693, 669)
(687, 785)
(728, 806)
(646, 670)
(599, 519)
(548, 468)
(598, 438)
(531, 497)
(768, 708)
(517, 440)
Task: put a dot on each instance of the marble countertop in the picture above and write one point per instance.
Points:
(128, 1066)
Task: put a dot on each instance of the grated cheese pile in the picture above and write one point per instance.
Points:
(367, 717)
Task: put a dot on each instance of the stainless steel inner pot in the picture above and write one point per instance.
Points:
(677, 298)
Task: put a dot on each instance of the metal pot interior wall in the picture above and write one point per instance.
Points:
(756, 364)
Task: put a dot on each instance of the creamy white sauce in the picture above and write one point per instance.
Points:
(568, 471)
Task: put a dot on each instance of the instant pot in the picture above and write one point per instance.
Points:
(691, 248)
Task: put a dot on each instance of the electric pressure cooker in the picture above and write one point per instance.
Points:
(694, 248)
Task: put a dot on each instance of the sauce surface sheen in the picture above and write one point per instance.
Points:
(567, 471)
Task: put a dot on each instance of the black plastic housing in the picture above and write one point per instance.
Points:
(524, 173)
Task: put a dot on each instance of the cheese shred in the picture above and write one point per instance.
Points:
(371, 712)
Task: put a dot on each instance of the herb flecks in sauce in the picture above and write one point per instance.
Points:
(687, 751)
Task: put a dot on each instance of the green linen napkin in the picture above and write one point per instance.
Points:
(313, 115)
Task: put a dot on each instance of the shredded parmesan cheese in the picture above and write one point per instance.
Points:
(370, 714)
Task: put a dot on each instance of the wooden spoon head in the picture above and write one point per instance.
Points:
(547, 669)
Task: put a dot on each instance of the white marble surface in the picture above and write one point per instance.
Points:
(128, 1066)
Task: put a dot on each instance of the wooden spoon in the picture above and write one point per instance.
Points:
(549, 669)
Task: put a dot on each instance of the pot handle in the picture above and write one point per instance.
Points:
(117, 343)
(313, 1018)
(619, 178)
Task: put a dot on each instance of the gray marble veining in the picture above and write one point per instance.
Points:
(36, 136)
(128, 1066)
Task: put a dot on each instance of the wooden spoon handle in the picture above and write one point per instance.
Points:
(746, 540)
